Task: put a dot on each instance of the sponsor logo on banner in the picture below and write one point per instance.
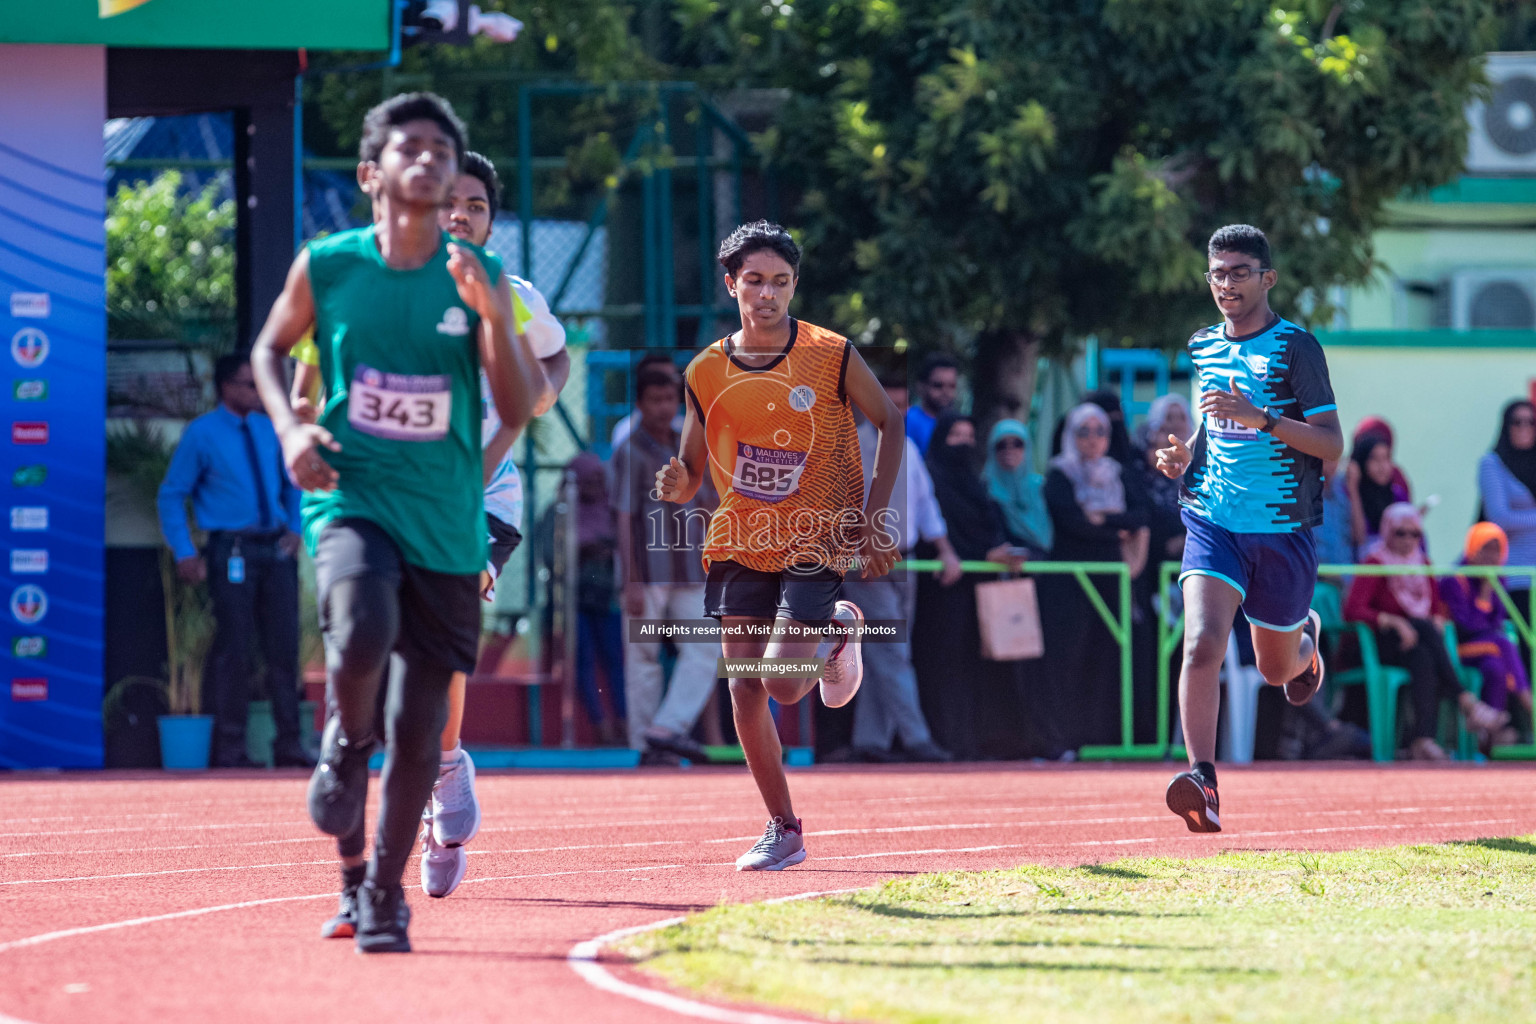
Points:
(29, 689)
(29, 517)
(30, 305)
(31, 390)
(112, 8)
(29, 561)
(29, 347)
(29, 647)
(455, 322)
(29, 604)
(29, 433)
(30, 476)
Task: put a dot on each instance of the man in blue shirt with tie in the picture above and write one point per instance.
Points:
(230, 465)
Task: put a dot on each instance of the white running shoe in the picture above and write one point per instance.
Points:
(778, 849)
(845, 668)
(455, 811)
(442, 867)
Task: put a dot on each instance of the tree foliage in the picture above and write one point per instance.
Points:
(1050, 169)
(170, 261)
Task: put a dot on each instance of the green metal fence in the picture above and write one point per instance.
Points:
(1119, 626)
(1170, 633)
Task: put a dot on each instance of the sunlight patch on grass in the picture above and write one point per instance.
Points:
(1413, 933)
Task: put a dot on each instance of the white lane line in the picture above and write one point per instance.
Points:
(144, 828)
(118, 850)
(173, 871)
(583, 959)
(643, 844)
(70, 933)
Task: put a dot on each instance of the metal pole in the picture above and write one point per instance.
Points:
(572, 581)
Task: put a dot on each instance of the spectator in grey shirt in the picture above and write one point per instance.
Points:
(663, 575)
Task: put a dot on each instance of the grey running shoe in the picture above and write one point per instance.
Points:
(344, 924)
(442, 867)
(845, 668)
(382, 919)
(1300, 690)
(338, 790)
(455, 811)
(780, 847)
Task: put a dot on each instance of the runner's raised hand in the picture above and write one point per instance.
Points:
(1175, 459)
(475, 286)
(672, 480)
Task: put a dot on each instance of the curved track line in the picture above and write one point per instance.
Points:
(583, 959)
(69, 933)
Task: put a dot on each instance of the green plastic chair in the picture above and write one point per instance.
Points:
(1382, 683)
(1471, 682)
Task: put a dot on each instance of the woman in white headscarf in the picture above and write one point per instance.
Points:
(1098, 514)
(1168, 415)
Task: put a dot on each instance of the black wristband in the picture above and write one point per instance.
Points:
(1270, 419)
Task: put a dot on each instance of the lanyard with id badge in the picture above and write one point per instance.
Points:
(400, 406)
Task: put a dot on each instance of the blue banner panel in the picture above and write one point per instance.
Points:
(53, 325)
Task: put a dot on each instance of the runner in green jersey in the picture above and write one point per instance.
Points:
(404, 319)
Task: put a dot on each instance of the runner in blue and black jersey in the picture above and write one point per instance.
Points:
(1252, 486)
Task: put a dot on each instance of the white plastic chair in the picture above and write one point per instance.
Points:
(1243, 685)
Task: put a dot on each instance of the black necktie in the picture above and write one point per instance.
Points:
(261, 483)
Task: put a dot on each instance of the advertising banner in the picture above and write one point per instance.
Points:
(241, 24)
(53, 322)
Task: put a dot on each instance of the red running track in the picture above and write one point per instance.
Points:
(145, 897)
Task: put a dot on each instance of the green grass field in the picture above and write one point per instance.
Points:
(1415, 933)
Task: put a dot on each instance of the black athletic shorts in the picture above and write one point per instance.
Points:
(803, 594)
(439, 611)
(504, 541)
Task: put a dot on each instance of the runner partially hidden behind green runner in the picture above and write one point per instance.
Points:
(404, 318)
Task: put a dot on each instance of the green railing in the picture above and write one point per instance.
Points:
(1170, 630)
(1119, 628)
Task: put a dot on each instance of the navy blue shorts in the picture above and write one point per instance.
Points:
(1274, 572)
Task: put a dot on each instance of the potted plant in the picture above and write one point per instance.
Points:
(186, 735)
(139, 453)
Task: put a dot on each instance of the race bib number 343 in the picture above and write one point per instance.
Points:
(766, 474)
(400, 406)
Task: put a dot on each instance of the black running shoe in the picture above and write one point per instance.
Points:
(382, 919)
(344, 924)
(338, 790)
(1195, 800)
(1301, 689)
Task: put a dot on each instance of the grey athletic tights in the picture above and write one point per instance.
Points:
(361, 624)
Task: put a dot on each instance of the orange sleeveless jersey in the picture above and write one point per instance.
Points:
(783, 453)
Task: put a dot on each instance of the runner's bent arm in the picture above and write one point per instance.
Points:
(292, 314)
(515, 376)
(557, 370)
(866, 393)
(694, 458)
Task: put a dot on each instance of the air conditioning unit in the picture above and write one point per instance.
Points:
(1501, 136)
(1494, 299)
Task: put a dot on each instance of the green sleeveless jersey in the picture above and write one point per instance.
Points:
(400, 360)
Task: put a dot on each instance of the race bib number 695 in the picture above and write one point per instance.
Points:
(400, 406)
(766, 474)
